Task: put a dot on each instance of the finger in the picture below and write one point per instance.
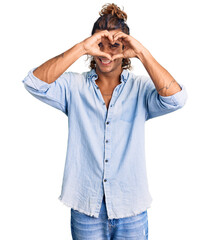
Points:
(117, 56)
(102, 54)
(120, 35)
(107, 35)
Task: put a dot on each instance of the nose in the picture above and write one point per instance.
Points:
(105, 48)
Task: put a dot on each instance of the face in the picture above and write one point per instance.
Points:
(105, 65)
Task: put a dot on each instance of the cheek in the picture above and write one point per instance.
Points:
(118, 61)
(119, 50)
(96, 59)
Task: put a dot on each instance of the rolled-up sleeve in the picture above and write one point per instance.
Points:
(157, 105)
(55, 94)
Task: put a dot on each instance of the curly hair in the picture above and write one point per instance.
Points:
(111, 18)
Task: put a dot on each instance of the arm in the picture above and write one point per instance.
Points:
(51, 84)
(165, 84)
(162, 94)
(55, 67)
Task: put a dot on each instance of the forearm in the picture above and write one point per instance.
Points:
(55, 67)
(165, 84)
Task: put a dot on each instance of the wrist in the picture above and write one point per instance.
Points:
(82, 48)
(143, 55)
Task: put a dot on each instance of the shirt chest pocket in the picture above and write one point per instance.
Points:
(129, 110)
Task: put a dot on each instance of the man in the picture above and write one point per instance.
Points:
(105, 181)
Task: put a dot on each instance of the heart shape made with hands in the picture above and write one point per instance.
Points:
(130, 45)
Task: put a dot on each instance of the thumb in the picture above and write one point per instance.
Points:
(106, 55)
(117, 56)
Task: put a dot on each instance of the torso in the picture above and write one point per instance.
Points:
(107, 100)
(108, 91)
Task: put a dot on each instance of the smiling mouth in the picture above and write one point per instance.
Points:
(105, 61)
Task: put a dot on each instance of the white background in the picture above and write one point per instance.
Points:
(33, 135)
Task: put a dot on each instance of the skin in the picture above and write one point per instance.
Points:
(99, 45)
(108, 74)
(165, 84)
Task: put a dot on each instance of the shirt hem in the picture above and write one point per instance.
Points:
(74, 208)
(131, 215)
(95, 216)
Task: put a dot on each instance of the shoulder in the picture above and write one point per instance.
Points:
(76, 75)
(141, 80)
(79, 80)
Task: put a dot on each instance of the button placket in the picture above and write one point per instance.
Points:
(107, 149)
(108, 113)
(107, 140)
(107, 146)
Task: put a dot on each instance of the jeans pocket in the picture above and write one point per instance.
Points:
(143, 232)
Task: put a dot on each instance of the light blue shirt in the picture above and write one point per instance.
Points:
(105, 148)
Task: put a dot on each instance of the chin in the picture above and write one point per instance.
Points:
(104, 70)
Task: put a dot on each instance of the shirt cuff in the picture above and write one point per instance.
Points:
(32, 81)
(177, 99)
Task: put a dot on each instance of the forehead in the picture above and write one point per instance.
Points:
(112, 32)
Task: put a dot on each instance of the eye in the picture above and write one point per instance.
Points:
(115, 45)
(100, 44)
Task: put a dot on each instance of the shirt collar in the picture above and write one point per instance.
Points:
(93, 76)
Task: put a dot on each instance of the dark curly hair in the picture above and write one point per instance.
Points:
(111, 18)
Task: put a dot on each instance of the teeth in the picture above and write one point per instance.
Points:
(105, 61)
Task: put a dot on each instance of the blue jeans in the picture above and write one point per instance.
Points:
(85, 227)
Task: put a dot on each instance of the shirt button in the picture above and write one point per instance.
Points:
(105, 180)
(103, 103)
(106, 141)
(106, 160)
(108, 122)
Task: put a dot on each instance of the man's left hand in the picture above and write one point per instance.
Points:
(132, 47)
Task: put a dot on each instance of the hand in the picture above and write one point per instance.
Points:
(132, 47)
(91, 44)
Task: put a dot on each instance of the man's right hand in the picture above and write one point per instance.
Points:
(55, 67)
(91, 44)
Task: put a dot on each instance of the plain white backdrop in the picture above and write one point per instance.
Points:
(32, 157)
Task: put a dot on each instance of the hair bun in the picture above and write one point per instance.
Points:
(113, 10)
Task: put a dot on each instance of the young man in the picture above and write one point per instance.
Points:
(105, 180)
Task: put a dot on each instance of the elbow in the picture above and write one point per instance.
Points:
(180, 97)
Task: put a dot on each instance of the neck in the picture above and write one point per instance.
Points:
(109, 78)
